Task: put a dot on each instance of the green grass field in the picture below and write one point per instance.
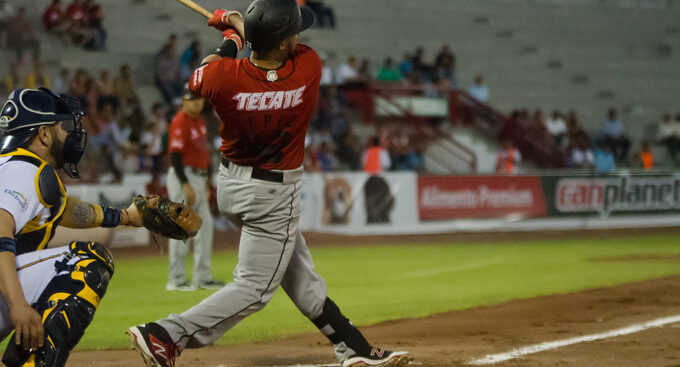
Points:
(373, 284)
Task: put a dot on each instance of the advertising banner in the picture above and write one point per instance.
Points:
(610, 195)
(358, 203)
(459, 197)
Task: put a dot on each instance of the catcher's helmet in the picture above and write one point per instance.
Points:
(269, 22)
(27, 109)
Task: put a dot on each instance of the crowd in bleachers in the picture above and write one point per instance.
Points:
(80, 23)
(126, 139)
(609, 149)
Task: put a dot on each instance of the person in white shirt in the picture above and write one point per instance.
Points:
(478, 90)
(347, 72)
(557, 126)
(668, 134)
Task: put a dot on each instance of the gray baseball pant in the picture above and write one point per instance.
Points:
(272, 252)
(202, 242)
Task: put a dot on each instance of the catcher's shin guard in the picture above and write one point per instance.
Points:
(346, 338)
(67, 305)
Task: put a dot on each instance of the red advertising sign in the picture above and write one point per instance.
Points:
(457, 197)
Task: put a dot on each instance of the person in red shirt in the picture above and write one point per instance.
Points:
(265, 103)
(56, 21)
(187, 182)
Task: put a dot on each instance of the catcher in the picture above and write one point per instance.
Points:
(49, 296)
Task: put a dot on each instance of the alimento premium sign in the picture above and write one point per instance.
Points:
(458, 197)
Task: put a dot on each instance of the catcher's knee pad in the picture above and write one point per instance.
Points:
(67, 305)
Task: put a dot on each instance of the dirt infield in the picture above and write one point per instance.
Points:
(454, 338)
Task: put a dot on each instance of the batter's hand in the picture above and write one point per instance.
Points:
(189, 194)
(28, 325)
(224, 19)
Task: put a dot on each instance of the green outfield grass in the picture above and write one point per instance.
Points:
(373, 284)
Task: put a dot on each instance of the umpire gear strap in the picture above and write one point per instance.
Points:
(67, 305)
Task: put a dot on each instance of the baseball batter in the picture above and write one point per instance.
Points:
(48, 296)
(187, 182)
(265, 103)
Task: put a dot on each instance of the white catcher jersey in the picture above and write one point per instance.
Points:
(32, 193)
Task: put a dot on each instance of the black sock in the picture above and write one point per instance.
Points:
(339, 329)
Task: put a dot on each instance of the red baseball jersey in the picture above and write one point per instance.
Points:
(188, 136)
(265, 114)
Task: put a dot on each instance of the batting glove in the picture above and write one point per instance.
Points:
(234, 36)
(220, 19)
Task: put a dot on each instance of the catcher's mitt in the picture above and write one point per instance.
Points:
(167, 218)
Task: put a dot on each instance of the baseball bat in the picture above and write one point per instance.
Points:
(197, 8)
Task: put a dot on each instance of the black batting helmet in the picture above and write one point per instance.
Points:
(269, 22)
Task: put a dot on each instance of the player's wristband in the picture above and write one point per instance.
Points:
(228, 49)
(8, 245)
(111, 217)
(225, 16)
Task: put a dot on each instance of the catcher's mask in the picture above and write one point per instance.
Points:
(27, 109)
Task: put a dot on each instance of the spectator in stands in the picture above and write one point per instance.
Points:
(317, 138)
(158, 118)
(311, 161)
(604, 159)
(60, 85)
(479, 90)
(20, 35)
(152, 146)
(375, 158)
(326, 71)
(326, 158)
(111, 139)
(105, 86)
(400, 149)
(445, 65)
(613, 135)
(325, 15)
(646, 157)
(91, 96)
(54, 19)
(406, 65)
(508, 158)
(330, 115)
(513, 129)
(580, 155)
(75, 11)
(167, 71)
(388, 72)
(419, 65)
(556, 126)
(124, 89)
(37, 77)
(347, 72)
(6, 12)
(349, 149)
(95, 17)
(77, 86)
(190, 60)
(574, 130)
(668, 134)
(80, 33)
(365, 71)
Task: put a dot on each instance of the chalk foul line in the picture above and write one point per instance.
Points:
(530, 349)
